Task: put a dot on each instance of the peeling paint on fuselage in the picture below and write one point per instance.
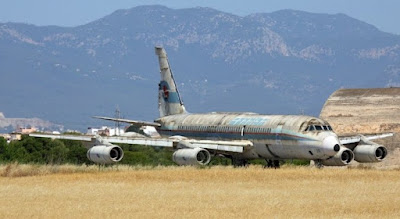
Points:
(273, 136)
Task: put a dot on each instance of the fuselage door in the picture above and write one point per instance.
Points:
(242, 131)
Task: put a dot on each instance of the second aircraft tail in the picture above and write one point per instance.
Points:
(169, 100)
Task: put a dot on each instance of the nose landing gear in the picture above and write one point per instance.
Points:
(318, 164)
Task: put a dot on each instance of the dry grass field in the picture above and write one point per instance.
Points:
(28, 191)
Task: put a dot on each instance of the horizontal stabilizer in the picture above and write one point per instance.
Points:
(132, 122)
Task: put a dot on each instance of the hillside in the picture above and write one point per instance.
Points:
(281, 62)
(11, 124)
(352, 111)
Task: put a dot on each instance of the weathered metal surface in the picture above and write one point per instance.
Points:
(69, 137)
(141, 141)
(272, 136)
(105, 154)
(240, 126)
(169, 100)
(289, 122)
(133, 122)
(192, 156)
(357, 138)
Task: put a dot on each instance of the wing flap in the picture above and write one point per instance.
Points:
(217, 147)
(160, 142)
(228, 146)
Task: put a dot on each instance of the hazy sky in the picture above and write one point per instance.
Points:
(384, 14)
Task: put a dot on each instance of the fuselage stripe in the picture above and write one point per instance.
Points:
(236, 135)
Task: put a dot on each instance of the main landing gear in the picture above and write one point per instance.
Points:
(272, 164)
(244, 163)
(239, 162)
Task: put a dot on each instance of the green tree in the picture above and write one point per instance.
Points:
(76, 152)
(16, 152)
(3, 147)
(57, 153)
(145, 155)
(37, 148)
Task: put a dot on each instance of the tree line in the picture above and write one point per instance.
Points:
(42, 151)
(49, 151)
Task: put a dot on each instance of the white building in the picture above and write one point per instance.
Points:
(105, 131)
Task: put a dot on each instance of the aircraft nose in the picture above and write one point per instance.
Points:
(331, 145)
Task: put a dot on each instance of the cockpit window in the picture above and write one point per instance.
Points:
(310, 128)
(318, 128)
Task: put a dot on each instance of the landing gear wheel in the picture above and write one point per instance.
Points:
(269, 164)
(273, 164)
(239, 163)
(318, 164)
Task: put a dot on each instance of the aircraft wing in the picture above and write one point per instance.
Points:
(223, 146)
(220, 146)
(358, 138)
(133, 122)
(67, 137)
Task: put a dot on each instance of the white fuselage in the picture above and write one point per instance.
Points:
(273, 136)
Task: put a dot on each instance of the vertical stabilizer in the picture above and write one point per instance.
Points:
(169, 100)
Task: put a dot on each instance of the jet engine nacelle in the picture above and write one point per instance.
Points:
(369, 153)
(105, 154)
(191, 156)
(342, 158)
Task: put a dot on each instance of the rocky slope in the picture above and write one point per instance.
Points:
(281, 62)
(11, 124)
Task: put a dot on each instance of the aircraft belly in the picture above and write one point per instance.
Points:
(273, 146)
(288, 150)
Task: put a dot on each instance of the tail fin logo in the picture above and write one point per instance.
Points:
(165, 92)
(168, 94)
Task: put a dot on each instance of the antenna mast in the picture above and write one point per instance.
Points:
(117, 123)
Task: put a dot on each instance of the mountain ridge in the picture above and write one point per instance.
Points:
(281, 62)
